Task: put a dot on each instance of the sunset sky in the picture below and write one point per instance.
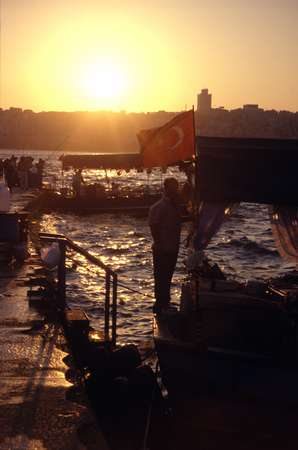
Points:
(148, 55)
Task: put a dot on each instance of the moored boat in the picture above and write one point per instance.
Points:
(109, 194)
(223, 330)
(90, 204)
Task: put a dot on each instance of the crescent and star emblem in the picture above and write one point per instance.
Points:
(180, 137)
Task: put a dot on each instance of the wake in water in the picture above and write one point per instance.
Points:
(248, 245)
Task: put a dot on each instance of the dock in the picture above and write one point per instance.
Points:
(61, 389)
(36, 411)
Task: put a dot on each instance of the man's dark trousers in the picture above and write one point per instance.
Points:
(164, 265)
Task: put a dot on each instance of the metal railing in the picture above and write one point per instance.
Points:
(111, 281)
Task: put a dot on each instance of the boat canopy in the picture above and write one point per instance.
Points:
(232, 170)
(102, 161)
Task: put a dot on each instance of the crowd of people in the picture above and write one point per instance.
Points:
(22, 172)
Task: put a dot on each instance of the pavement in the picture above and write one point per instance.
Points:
(35, 413)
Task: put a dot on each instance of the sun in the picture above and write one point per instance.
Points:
(104, 81)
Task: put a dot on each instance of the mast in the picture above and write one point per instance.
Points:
(196, 325)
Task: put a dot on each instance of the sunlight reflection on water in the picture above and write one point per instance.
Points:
(243, 254)
(243, 248)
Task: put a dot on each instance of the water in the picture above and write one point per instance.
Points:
(244, 249)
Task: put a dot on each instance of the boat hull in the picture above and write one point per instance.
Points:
(52, 201)
(229, 336)
(201, 369)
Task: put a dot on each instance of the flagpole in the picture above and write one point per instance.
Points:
(196, 198)
(194, 127)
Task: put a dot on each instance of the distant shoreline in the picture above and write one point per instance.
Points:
(103, 132)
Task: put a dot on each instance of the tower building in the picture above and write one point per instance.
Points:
(204, 102)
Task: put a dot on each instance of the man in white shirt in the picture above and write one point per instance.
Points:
(165, 225)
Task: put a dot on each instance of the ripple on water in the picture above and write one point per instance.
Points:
(244, 248)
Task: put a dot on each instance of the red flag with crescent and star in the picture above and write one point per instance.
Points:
(170, 143)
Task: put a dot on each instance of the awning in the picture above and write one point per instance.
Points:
(284, 223)
(249, 170)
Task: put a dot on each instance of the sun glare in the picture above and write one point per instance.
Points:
(103, 81)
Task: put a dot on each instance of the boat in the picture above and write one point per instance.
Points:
(225, 335)
(136, 204)
(105, 197)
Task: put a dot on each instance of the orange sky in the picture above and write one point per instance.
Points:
(95, 54)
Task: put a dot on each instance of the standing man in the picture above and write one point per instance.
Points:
(77, 181)
(165, 225)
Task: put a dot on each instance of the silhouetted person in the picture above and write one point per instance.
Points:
(77, 181)
(115, 189)
(39, 166)
(23, 172)
(10, 173)
(165, 225)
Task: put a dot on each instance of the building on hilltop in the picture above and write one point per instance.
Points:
(252, 108)
(204, 104)
(15, 110)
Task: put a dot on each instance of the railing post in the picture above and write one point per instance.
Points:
(114, 310)
(110, 276)
(107, 305)
(62, 275)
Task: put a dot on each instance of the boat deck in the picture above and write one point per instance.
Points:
(227, 421)
(226, 399)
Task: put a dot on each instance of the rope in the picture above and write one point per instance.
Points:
(148, 355)
(135, 290)
(148, 420)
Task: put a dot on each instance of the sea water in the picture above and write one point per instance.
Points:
(244, 249)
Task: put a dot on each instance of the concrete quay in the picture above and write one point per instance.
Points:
(34, 411)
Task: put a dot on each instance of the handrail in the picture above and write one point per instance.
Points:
(53, 237)
(111, 276)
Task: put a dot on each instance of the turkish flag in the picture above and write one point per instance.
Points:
(169, 144)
